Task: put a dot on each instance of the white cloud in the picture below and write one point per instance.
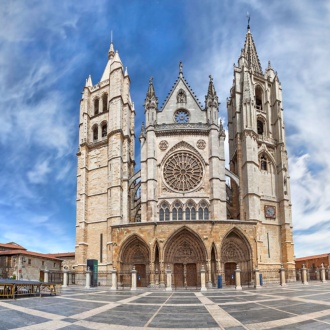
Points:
(39, 173)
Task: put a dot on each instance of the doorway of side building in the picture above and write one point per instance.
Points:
(230, 273)
(141, 278)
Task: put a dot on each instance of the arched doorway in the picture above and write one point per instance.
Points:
(235, 250)
(134, 253)
(185, 253)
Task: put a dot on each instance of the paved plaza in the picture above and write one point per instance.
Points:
(292, 307)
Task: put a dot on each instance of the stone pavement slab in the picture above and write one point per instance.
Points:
(292, 307)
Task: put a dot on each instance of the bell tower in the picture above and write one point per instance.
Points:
(105, 162)
(258, 156)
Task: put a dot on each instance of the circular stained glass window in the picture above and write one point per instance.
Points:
(181, 116)
(183, 171)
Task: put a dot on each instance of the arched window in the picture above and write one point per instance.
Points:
(260, 127)
(263, 163)
(96, 106)
(177, 211)
(164, 212)
(104, 130)
(95, 133)
(258, 93)
(190, 211)
(203, 211)
(105, 102)
(161, 215)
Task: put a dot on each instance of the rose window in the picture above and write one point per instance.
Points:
(183, 171)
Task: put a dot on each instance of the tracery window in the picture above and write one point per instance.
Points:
(177, 213)
(96, 106)
(164, 212)
(105, 102)
(190, 211)
(183, 171)
(203, 211)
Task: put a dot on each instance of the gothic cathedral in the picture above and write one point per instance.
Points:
(183, 210)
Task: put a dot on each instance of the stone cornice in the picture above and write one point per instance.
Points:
(189, 128)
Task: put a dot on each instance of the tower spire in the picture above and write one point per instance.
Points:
(250, 52)
(151, 100)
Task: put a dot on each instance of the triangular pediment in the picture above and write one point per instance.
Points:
(173, 98)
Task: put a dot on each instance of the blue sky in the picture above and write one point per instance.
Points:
(48, 49)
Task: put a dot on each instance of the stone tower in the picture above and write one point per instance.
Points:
(258, 157)
(105, 161)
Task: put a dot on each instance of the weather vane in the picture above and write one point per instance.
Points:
(248, 17)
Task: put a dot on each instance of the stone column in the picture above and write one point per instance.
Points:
(133, 286)
(113, 279)
(152, 274)
(282, 276)
(238, 278)
(203, 287)
(168, 279)
(46, 275)
(65, 279)
(156, 277)
(257, 278)
(162, 275)
(209, 282)
(304, 275)
(323, 273)
(88, 278)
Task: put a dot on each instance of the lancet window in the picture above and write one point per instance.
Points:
(177, 213)
(203, 211)
(96, 106)
(164, 212)
(105, 102)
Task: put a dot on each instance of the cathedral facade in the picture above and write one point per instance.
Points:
(183, 210)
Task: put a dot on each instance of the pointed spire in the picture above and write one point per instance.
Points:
(126, 72)
(151, 89)
(111, 52)
(250, 52)
(89, 81)
(117, 58)
(211, 99)
(151, 100)
(211, 90)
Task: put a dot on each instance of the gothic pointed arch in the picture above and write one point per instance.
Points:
(184, 246)
(235, 248)
(134, 251)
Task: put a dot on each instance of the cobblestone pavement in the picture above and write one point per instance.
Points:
(292, 307)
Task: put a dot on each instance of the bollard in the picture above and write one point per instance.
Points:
(168, 279)
(88, 278)
(203, 287)
(133, 286)
(46, 275)
(304, 275)
(323, 273)
(113, 279)
(65, 279)
(282, 276)
(219, 281)
(238, 278)
(257, 278)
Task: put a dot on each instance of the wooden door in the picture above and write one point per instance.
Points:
(178, 275)
(191, 275)
(140, 275)
(230, 273)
